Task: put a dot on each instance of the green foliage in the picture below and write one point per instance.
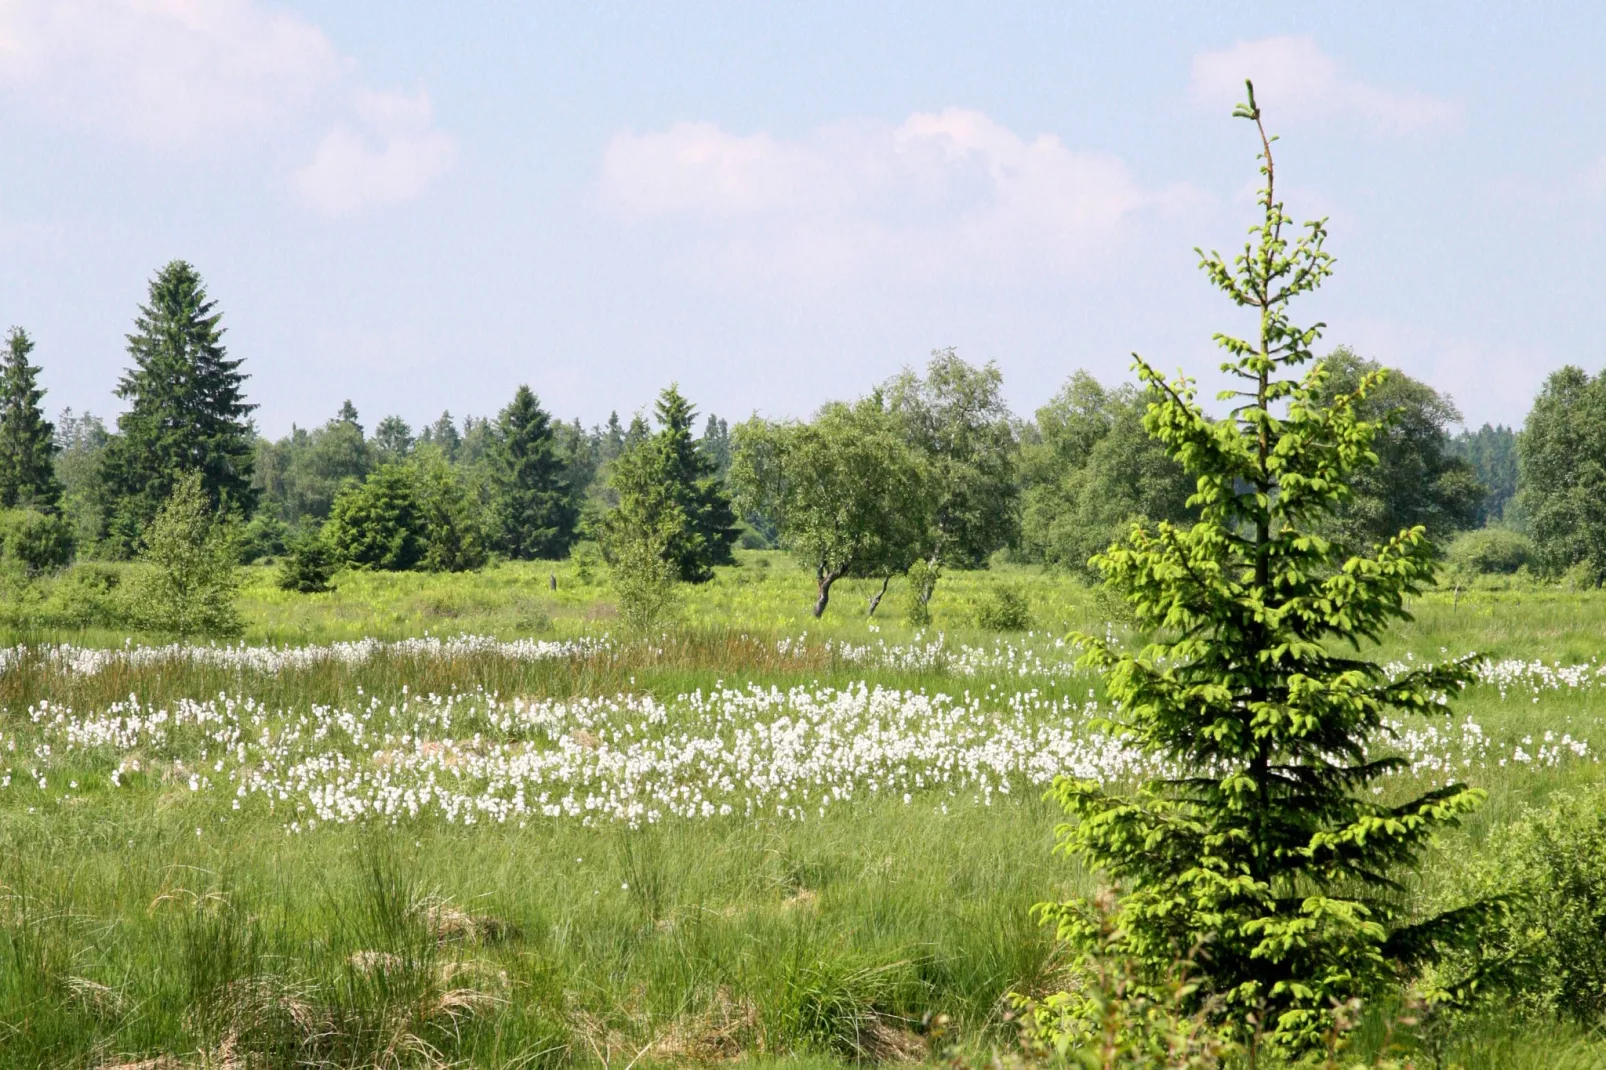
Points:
(664, 484)
(453, 526)
(379, 523)
(1005, 609)
(587, 559)
(642, 573)
(189, 589)
(1262, 841)
(300, 474)
(1547, 951)
(1561, 457)
(80, 444)
(534, 509)
(1090, 470)
(263, 537)
(1492, 551)
(27, 439)
(848, 495)
(90, 594)
(923, 576)
(1492, 453)
(1418, 479)
(34, 542)
(309, 565)
(186, 410)
(956, 416)
(393, 439)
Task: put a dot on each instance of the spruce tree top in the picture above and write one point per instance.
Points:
(1264, 843)
(27, 439)
(187, 409)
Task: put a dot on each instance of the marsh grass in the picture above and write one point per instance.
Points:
(150, 922)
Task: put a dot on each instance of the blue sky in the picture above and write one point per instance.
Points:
(421, 206)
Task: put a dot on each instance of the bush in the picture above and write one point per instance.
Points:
(88, 594)
(34, 542)
(190, 587)
(644, 579)
(378, 523)
(265, 536)
(308, 566)
(1549, 946)
(1004, 609)
(1496, 551)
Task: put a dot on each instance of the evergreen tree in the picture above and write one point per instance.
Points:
(379, 523)
(1492, 453)
(1262, 848)
(663, 482)
(716, 445)
(393, 439)
(534, 510)
(612, 439)
(443, 434)
(710, 531)
(27, 439)
(187, 409)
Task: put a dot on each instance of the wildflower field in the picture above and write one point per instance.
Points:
(435, 820)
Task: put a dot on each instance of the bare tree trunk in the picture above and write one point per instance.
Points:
(875, 601)
(823, 581)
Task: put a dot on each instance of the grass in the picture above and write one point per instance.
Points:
(145, 920)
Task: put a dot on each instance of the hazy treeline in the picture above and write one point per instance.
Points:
(929, 470)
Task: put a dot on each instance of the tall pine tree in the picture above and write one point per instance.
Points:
(27, 439)
(535, 513)
(187, 409)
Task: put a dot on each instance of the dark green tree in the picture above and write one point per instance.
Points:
(379, 523)
(1418, 479)
(1492, 452)
(443, 434)
(186, 410)
(452, 517)
(27, 439)
(679, 473)
(535, 512)
(1261, 847)
(393, 439)
(1090, 470)
(1561, 456)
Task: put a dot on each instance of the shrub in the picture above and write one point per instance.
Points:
(1549, 947)
(1492, 551)
(587, 559)
(190, 587)
(309, 565)
(453, 523)
(265, 536)
(923, 576)
(88, 594)
(33, 541)
(1004, 609)
(378, 523)
(644, 578)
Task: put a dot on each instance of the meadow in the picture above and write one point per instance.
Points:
(431, 820)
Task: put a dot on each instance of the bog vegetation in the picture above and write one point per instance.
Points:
(516, 743)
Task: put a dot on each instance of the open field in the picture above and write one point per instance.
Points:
(360, 840)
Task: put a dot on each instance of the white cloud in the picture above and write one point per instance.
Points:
(394, 159)
(1295, 80)
(941, 193)
(162, 70)
(187, 73)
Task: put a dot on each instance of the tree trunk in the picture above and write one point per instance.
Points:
(823, 580)
(875, 601)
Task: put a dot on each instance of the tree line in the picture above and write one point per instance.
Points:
(928, 471)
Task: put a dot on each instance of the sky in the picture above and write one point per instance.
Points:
(419, 206)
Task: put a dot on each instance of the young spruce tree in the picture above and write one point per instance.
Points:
(27, 439)
(534, 508)
(1263, 848)
(187, 410)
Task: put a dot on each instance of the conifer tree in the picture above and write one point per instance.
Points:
(535, 514)
(710, 529)
(187, 409)
(27, 439)
(1262, 848)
